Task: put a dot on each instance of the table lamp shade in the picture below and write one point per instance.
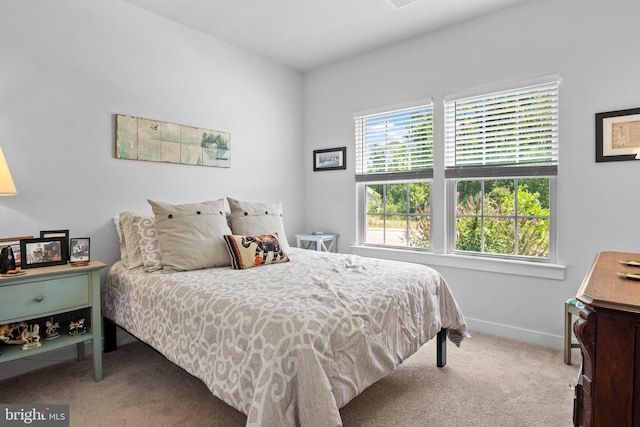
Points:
(7, 188)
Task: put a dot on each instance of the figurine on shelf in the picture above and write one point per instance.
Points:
(31, 337)
(12, 333)
(52, 329)
(5, 333)
(21, 333)
(77, 327)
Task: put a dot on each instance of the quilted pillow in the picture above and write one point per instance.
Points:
(190, 236)
(256, 218)
(252, 251)
(149, 244)
(130, 253)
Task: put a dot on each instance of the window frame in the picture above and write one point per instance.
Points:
(453, 174)
(451, 189)
(363, 213)
(363, 179)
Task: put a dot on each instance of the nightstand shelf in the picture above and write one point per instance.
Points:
(47, 292)
(13, 351)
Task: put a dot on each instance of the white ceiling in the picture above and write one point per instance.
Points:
(306, 34)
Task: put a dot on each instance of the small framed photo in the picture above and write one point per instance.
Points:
(618, 135)
(56, 233)
(14, 242)
(43, 252)
(79, 252)
(330, 159)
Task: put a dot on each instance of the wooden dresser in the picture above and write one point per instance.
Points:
(608, 389)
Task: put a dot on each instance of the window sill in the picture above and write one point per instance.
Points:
(493, 265)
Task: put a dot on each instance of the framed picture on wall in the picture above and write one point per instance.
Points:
(618, 135)
(330, 159)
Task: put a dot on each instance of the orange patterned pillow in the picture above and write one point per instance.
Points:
(253, 251)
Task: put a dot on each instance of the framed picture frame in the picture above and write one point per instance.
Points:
(79, 250)
(57, 233)
(618, 135)
(43, 252)
(330, 159)
(14, 242)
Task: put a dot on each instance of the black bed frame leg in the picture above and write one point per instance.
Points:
(441, 348)
(109, 335)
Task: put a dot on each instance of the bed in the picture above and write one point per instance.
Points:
(292, 340)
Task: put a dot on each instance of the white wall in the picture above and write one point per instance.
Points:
(67, 67)
(592, 46)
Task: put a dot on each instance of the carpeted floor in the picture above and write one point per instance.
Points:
(489, 381)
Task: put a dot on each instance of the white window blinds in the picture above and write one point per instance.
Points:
(507, 133)
(395, 144)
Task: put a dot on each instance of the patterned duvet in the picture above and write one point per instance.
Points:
(287, 344)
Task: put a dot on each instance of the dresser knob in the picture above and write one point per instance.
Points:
(39, 298)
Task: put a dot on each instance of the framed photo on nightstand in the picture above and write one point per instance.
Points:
(57, 233)
(79, 252)
(43, 252)
(14, 242)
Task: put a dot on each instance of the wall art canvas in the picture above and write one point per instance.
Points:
(156, 141)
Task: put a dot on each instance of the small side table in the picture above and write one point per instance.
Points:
(47, 291)
(323, 242)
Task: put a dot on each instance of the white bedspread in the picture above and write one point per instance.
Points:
(287, 344)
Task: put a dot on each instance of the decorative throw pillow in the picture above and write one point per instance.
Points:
(190, 236)
(149, 245)
(129, 243)
(252, 251)
(124, 255)
(256, 218)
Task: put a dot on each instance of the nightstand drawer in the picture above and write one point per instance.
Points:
(38, 298)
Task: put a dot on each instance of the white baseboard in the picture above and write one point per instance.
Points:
(555, 342)
(43, 360)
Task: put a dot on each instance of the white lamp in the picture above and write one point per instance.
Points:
(7, 188)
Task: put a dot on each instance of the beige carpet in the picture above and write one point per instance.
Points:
(489, 382)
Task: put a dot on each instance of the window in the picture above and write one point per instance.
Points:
(394, 167)
(503, 216)
(501, 160)
(496, 177)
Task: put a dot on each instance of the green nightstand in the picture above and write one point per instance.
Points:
(47, 291)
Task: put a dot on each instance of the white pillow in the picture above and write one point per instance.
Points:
(191, 235)
(256, 218)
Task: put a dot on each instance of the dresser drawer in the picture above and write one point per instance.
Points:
(42, 297)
